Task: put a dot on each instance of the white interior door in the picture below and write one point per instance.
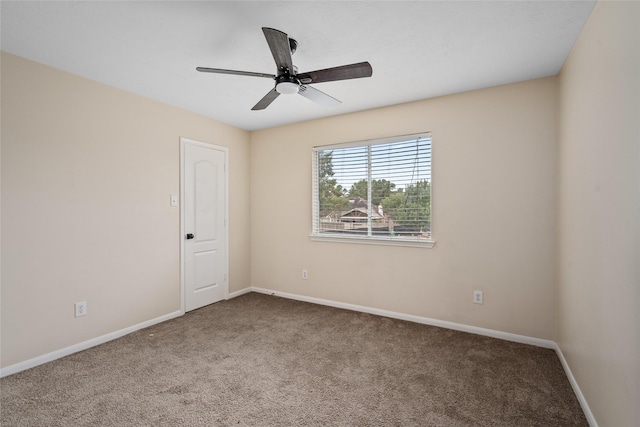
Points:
(205, 248)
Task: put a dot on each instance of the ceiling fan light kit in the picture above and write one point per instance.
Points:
(287, 88)
(287, 79)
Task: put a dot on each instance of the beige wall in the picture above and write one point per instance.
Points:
(599, 213)
(494, 205)
(87, 171)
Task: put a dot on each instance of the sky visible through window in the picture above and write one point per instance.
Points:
(397, 162)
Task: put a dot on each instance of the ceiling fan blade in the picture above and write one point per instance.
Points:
(238, 73)
(345, 72)
(318, 97)
(268, 99)
(280, 49)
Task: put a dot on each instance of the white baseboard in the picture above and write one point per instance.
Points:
(576, 389)
(31, 363)
(416, 319)
(238, 293)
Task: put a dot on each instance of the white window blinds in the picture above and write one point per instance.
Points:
(379, 189)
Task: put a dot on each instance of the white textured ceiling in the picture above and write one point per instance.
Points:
(418, 49)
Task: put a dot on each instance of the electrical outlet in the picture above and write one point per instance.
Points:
(81, 308)
(477, 297)
(305, 274)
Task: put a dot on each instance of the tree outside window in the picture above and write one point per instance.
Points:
(378, 189)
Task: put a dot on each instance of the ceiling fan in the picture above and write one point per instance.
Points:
(289, 81)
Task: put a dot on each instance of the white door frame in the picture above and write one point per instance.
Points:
(183, 143)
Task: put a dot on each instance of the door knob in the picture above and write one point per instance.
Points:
(189, 236)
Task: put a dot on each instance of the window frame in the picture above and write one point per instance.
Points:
(317, 236)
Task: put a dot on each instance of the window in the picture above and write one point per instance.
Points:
(376, 191)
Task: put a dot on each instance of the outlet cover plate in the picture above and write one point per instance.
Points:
(81, 308)
(477, 297)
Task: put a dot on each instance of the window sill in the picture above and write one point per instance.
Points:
(380, 241)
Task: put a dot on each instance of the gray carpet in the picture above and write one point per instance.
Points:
(260, 360)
